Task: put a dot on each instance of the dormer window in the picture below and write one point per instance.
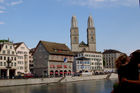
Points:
(6, 47)
(10, 47)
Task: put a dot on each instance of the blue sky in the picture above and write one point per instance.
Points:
(117, 22)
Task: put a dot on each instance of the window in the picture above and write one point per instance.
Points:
(8, 52)
(12, 64)
(0, 57)
(3, 51)
(0, 63)
(13, 52)
(15, 64)
(15, 58)
(4, 58)
(6, 47)
(4, 63)
(11, 58)
(10, 47)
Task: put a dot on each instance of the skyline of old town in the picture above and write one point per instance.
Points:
(117, 23)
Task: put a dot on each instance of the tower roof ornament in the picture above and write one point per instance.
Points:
(90, 22)
(73, 21)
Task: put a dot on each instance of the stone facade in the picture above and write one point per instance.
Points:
(91, 39)
(23, 58)
(95, 62)
(110, 57)
(49, 59)
(7, 52)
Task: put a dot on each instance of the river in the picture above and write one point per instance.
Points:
(90, 86)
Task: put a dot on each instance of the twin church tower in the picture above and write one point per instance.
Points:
(74, 35)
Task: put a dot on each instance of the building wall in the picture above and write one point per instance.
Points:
(43, 61)
(8, 52)
(23, 59)
(110, 59)
(40, 59)
(96, 61)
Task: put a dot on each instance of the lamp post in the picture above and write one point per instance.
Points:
(8, 67)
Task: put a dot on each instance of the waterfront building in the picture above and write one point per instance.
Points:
(31, 63)
(110, 57)
(74, 36)
(53, 59)
(93, 61)
(8, 59)
(23, 58)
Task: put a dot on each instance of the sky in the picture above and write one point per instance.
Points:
(117, 22)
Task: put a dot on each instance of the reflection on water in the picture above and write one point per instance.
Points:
(93, 86)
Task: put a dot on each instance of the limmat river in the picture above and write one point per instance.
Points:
(90, 86)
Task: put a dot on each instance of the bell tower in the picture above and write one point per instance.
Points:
(74, 35)
(91, 39)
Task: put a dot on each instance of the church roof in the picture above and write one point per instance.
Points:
(56, 48)
(83, 44)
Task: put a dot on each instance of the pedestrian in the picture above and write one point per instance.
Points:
(121, 66)
(133, 79)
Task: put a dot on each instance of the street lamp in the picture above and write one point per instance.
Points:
(8, 66)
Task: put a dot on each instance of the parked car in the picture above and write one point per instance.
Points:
(28, 75)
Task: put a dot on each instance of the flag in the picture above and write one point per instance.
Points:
(65, 60)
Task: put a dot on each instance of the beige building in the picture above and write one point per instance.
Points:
(93, 60)
(23, 58)
(8, 59)
(74, 35)
(53, 59)
(110, 57)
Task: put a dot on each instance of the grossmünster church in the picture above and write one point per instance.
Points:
(74, 35)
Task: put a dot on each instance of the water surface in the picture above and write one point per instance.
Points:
(91, 86)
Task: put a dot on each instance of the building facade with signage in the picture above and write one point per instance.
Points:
(52, 59)
(93, 61)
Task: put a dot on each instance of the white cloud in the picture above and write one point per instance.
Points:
(1, 23)
(102, 3)
(16, 2)
(1, 11)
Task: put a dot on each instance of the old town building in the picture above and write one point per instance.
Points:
(110, 57)
(23, 58)
(53, 59)
(88, 61)
(8, 59)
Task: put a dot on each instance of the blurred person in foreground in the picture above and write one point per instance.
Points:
(129, 75)
(121, 66)
(133, 79)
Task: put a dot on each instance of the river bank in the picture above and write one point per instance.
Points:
(34, 81)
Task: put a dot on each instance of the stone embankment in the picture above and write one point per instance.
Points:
(19, 82)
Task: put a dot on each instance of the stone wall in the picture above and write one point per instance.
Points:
(17, 82)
